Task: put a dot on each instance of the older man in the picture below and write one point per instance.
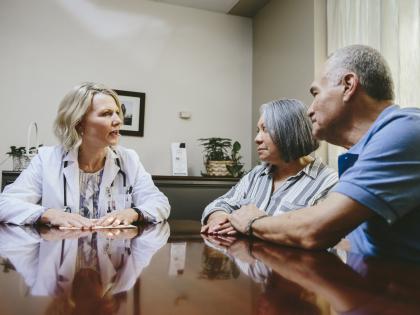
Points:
(378, 195)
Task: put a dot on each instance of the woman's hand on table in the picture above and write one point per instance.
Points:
(218, 224)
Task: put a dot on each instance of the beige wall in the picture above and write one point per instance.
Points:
(182, 58)
(320, 53)
(289, 41)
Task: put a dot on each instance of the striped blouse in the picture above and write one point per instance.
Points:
(304, 189)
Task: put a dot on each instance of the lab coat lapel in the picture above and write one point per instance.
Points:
(111, 170)
(71, 173)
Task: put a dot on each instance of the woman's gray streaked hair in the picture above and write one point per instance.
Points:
(289, 127)
(72, 109)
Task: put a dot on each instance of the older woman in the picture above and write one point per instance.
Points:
(288, 179)
(87, 180)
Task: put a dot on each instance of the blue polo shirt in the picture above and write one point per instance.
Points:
(382, 172)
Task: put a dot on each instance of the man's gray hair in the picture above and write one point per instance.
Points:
(369, 66)
(289, 127)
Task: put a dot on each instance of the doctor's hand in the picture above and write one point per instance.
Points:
(218, 224)
(119, 217)
(57, 217)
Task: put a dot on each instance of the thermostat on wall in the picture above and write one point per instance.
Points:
(184, 115)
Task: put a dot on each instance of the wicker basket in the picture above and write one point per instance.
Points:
(218, 168)
(21, 162)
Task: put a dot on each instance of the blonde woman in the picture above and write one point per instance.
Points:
(88, 179)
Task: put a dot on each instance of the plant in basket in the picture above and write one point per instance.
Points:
(20, 157)
(221, 157)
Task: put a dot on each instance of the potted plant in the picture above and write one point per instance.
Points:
(221, 158)
(20, 158)
(236, 168)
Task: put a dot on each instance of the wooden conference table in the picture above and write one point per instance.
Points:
(170, 269)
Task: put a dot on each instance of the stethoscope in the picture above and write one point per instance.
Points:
(110, 201)
(93, 244)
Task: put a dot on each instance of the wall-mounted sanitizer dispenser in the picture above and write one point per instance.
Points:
(179, 159)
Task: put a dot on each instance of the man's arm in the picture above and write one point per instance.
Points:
(317, 227)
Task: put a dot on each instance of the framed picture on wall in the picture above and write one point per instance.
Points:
(132, 105)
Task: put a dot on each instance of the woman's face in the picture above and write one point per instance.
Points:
(101, 123)
(267, 150)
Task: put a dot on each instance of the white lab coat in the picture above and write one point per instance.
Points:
(41, 186)
(48, 265)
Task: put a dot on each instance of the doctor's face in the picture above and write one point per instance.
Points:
(101, 123)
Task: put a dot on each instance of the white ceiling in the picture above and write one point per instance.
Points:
(223, 6)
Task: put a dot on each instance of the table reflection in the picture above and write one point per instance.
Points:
(48, 271)
(318, 282)
(86, 272)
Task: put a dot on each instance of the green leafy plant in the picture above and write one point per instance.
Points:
(16, 151)
(21, 151)
(216, 149)
(222, 149)
(21, 158)
(236, 169)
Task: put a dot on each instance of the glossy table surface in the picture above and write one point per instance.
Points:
(171, 269)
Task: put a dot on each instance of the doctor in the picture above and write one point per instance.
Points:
(87, 180)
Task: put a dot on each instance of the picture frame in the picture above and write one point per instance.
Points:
(132, 105)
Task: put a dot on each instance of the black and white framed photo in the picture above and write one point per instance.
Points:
(132, 106)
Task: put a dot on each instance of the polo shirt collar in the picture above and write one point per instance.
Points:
(347, 159)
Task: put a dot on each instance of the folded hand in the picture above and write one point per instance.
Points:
(218, 224)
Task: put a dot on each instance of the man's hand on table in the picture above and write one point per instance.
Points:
(240, 218)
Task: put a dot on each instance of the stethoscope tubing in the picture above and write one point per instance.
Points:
(117, 161)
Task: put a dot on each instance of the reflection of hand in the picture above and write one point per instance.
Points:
(240, 250)
(54, 234)
(124, 216)
(59, 218)
(123, 234)
(220, 242)
(232, 246)
(241, 217)
(292, 257)
(218, 223)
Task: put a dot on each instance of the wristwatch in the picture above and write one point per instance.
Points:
(140, 215)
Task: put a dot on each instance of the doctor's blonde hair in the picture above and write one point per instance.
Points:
(72, 109)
